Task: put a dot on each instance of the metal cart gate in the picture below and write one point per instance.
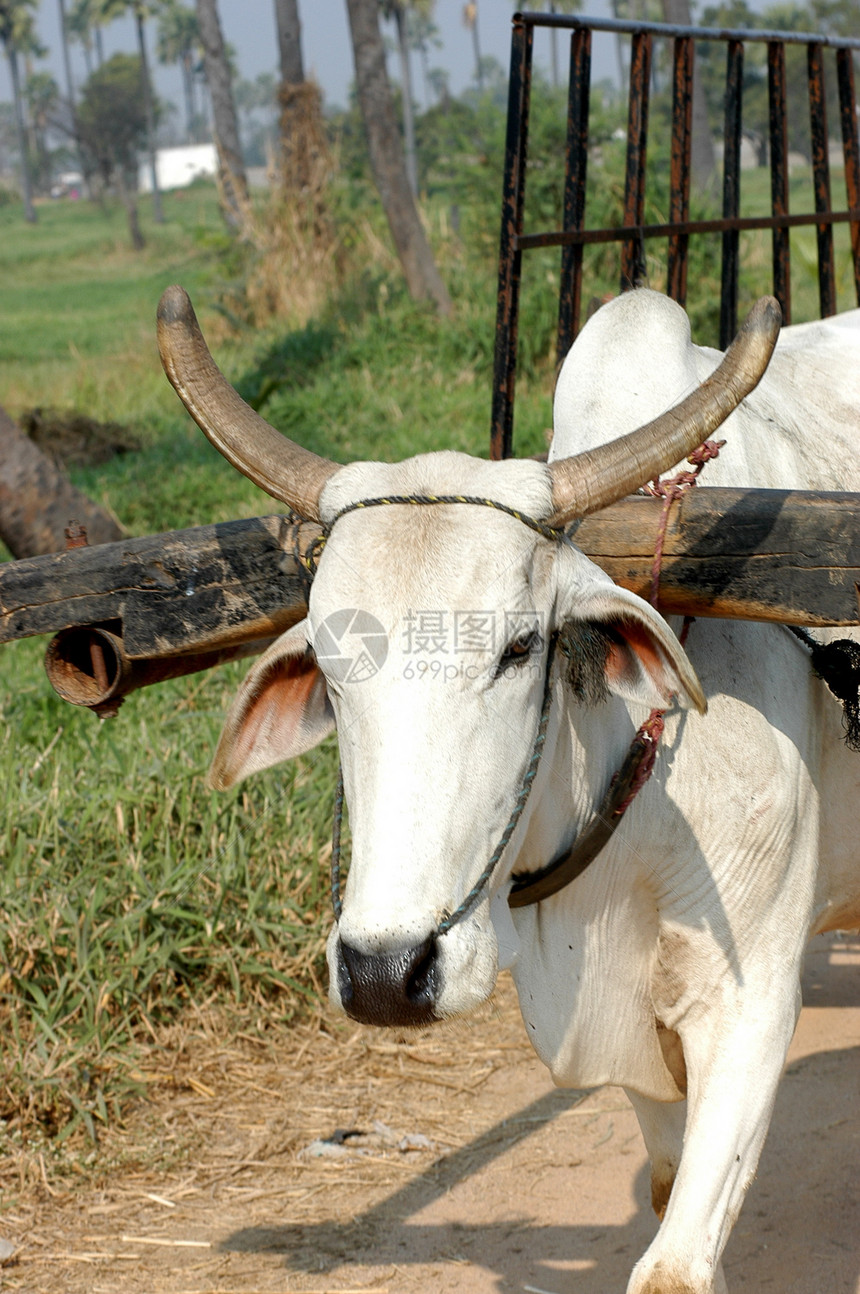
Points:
(633, 232)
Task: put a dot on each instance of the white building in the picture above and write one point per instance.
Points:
(178, 167)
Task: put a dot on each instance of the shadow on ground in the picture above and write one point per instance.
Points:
(799, 1232)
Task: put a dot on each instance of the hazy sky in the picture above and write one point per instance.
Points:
(249, 26)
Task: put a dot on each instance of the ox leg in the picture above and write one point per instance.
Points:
(662, 1125)
(735, 1047)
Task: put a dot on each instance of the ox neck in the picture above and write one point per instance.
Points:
(635, 769)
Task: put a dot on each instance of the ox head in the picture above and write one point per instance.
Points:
(426, 645)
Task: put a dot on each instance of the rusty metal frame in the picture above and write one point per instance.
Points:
(633, 233)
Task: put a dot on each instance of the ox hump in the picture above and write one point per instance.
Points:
(633, 360)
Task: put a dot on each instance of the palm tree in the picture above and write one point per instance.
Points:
(470, 20)
(70, 85)
(400, 12)
(64, 40)
(42, 94)
(141, 9)
(559, 6)
(386, 156)
(17, 35)
(290, 41)
(219, 78)
(177, 42)
(85, 24)
(305, 160)
(423, 33)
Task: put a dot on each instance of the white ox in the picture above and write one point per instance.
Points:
(671, 966)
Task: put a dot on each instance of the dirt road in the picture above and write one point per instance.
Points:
(472, 1174)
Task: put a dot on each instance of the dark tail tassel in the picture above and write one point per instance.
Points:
(838, 664)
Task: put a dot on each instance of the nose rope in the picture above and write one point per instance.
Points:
(474, 895)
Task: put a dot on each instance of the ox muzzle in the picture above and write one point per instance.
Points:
(390, 988)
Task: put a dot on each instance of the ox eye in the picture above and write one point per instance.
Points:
(518, 651)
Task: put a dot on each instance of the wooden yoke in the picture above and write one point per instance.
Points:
(135, 612)
(784, 556)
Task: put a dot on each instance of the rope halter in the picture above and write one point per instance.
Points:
(556, 535)
(311, 556)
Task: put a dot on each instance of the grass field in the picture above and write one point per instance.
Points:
(132, 893)
(129, 888)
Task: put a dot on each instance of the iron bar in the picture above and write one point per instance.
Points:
(558, 238)
(778, 122)
(668, 30)
(633, 250)
(513, 198)
(731, 191)
(570, 292)
(821, 178)
(682, 141)
(632, 231)
(850, 149)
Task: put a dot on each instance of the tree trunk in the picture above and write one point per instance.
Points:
(26, 178)
(386, 155)
(37, 500)
(70, 90)
(43, 169)
(304, 148)
(471, 15)
(67, 63)
(290, 41)
(129, 201)
(619, 46)
(425, 74)
(703, 162)
(149, 110)
(231, 168)
(406, 92)
(188, 93)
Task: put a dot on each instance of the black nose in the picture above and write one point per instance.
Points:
(397, 988)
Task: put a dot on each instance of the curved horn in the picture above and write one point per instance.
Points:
(279, 466)
(599, 477)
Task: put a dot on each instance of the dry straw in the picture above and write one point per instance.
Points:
(299, 252)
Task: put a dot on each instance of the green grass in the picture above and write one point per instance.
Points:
(129, 888)
(75, 295)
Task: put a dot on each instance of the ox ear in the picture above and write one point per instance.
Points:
(620, 643)
(282, 709)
